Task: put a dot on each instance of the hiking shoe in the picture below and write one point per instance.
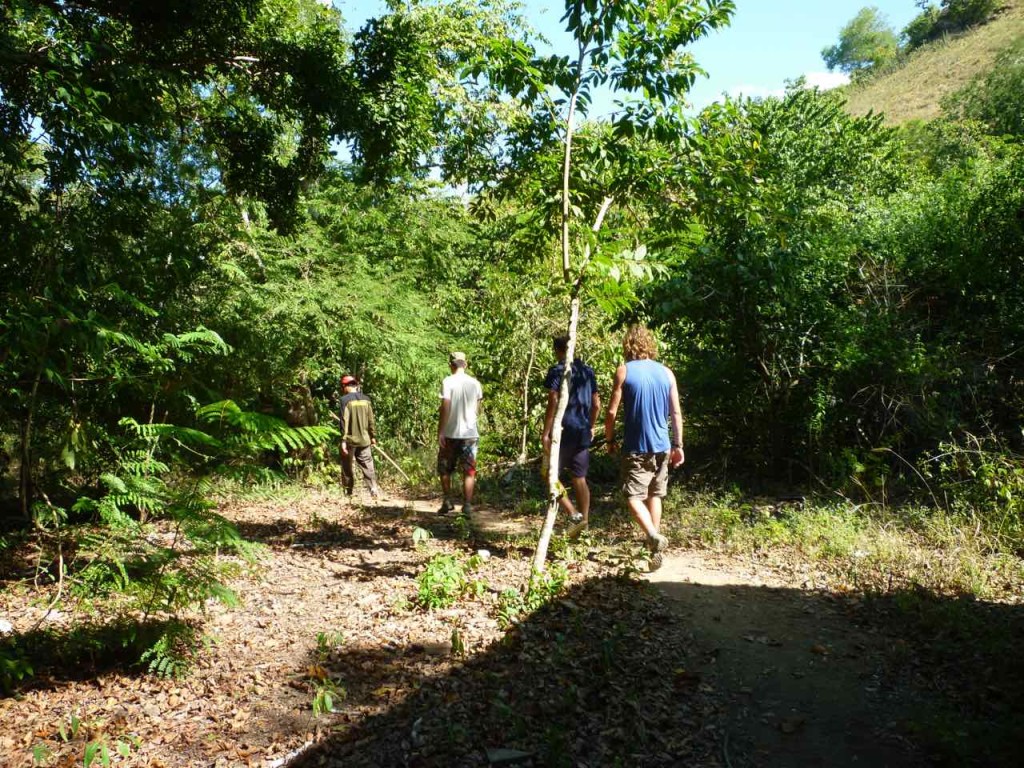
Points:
(467, 508)
(576, 517)
(657, 544)
(654, 562)
(574, 531)
(446, 507)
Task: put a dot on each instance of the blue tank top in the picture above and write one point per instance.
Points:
(645, 398)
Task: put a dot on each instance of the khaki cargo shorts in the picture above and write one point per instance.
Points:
(645, 475)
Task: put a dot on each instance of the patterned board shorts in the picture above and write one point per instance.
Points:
(457, 452)
(645, 475)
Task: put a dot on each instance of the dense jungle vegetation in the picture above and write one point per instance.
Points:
(209, 211)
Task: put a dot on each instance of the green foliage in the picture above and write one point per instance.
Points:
(157, 543)
(515, 605)
(994, 98)
(250, 432)
(326, 642)
(922, 28)
(982, 480)
(867, 41)
(950, 17)
(14, 667)
(172, 654)
(326, 693)
(445, 579)
(760, 309)
(357, 289)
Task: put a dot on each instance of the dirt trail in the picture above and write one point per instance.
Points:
(735, 669)
(800, 679)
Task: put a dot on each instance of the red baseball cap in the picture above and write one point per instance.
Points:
(346, 380)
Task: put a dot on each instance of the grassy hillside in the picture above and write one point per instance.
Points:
(914, 89)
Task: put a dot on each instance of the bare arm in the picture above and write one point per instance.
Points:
(549, 419)
(442, 420)
(613, 408)
(676, 415)
(595, 408)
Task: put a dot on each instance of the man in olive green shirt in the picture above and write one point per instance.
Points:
(358, 434)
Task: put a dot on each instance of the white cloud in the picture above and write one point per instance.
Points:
(756, 92)
(823, 80)
(826, 81)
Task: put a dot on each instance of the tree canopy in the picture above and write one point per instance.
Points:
(866, 41)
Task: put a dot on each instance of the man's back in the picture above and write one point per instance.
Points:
(646, 398)
(357, 418)
(463, 393)
(581, 394)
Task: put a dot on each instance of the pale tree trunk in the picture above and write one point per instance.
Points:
(540, 556)
(526, 400)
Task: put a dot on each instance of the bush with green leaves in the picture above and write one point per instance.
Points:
(516, 604)
(848, 296)
(949, 17)
(149, 543)
(760, 315)
(445, 579)
(982, 482)
(994, 98)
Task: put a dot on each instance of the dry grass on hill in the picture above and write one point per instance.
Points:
(915, 89)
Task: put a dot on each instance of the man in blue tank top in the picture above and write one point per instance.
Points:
(650, 398)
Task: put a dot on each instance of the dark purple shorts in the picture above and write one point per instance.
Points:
(573, 455)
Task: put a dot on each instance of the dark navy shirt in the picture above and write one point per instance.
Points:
(646, 401)
(582, 386)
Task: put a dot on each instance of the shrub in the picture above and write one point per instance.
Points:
(445, 579)
(953, 16)
(514, 604)
(983, 480)
(994, 99)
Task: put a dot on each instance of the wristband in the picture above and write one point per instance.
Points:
(676, 446)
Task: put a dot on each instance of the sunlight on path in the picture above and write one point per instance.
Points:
(703, 568)
(801, 681)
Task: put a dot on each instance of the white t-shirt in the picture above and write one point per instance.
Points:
(463, 393)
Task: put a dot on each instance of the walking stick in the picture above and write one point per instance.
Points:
(384, 454)
(392, 461)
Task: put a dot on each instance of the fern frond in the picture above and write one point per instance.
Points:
(184, 435)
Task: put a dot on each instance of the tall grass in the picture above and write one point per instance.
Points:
(843, 545)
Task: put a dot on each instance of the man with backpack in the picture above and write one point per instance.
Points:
(577, 428)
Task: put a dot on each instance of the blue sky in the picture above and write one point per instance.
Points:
(768, 42)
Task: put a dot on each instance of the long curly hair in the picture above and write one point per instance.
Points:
(639, 343)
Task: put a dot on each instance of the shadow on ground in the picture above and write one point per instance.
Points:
(286, 532)
(619, 672)
(597, 677)
(58, 654)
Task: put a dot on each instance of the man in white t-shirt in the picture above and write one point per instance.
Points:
(457, 433)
